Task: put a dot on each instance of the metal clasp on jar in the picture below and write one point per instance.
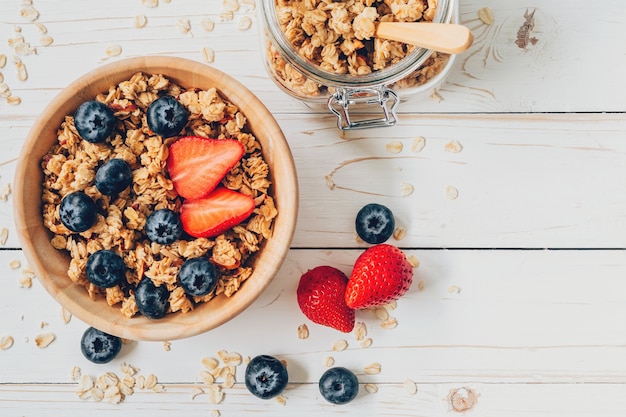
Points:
(364, 99)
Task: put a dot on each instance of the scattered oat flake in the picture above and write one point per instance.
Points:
(75, 373)
(406, 189)
(230, 5)
(399, 233)
(208, 54)
(390, 306)
(436, 97)
(365, 343)
(1, 77)
(14, 101)
(29, 13)
(371, 388)
(113, 50)
(453, 289)
(454, 146)
(207, 377)
(43, 340)
(46, 40)
(151, 381)
(413, 261)
(215, 394)
(420, 285)
(486, 15)
(66, 316)
(381, 313)
(6, 342)
(4, 235)
(340, 345)
(231, 359)
(452, 192)
(210, 363)
(303, 332)
(418, 144)
(329, 361)
(244, 23)
(410, 387)
(41, 27)
(167, 346)
(15, 264)
(184, 25)
(195, 391)
(373, 368)
(360, 330)
(141, 21)
(150, 3)
(207, 24)
(390, 323)
(43, 324)
(26, 282)
(215, 413)
(394, 147)
(3, 60)
(282, 400)
(250, 4)
(227, 16)
(20, 67)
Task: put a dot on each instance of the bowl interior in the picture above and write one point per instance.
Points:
(51, 264)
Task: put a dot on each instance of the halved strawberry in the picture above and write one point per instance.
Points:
(197, 165)
(217, 212)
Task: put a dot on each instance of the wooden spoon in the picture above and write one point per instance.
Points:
(442, 37)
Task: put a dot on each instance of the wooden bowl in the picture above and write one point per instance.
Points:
(51, 264)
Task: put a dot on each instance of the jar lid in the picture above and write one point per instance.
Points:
(310, 69)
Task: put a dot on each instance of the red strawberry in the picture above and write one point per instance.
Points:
(380, 275)
(215, 213)
(321, 293)
(197, 165)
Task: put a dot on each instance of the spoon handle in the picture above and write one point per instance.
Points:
(442, 37)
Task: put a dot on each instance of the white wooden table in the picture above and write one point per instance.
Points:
(522, 305)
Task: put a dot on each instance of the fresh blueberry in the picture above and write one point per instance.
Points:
(98, 346)
(114, 176)
(151, 300)
(94, 121)
(374, 223)
(198, 276)
(78, 211)
(166, 116)
(266, 377)
(339, 385)
(163, 226)
(105, 268)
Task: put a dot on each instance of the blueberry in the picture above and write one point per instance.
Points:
(114, 176)
(151, 300)
(198, 276)
(163, 226)
(166, 116)
(339, 385)
(94, 121)
(374, 223)
(266, 377)
(105, 268)
(78, 211)
(98, 346)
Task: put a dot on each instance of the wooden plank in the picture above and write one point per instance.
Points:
(433, 400)
(495, 75)
(522, 180)
(482, 316)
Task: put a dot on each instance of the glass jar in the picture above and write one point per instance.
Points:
(310, 60)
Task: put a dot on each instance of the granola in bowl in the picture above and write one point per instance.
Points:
(71, 165)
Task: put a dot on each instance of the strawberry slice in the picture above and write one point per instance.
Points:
(197, 165)
(217, 212)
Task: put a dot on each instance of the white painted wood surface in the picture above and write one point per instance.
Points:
(523, 273)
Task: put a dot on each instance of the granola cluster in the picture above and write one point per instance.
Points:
(71, 165)
(339, 37)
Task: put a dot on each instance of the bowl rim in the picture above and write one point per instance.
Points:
(31, 231)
